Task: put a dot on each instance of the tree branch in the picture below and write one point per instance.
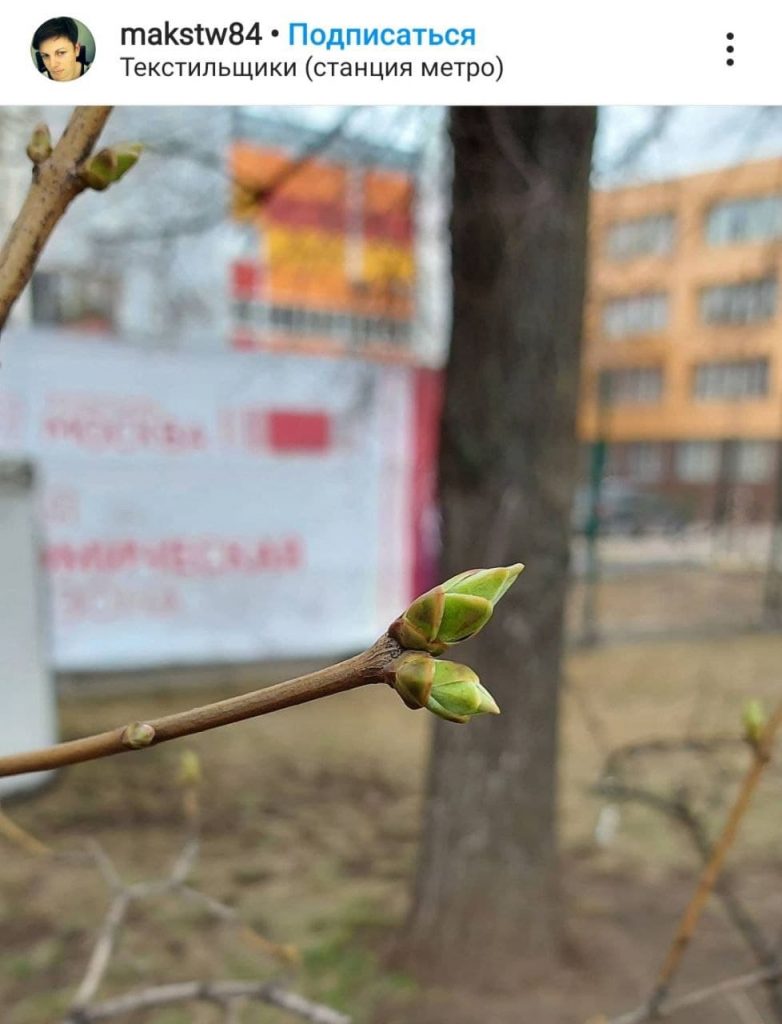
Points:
(367, 667)
(220, 992)
(684, 815)
(669, 1007)
(56, 182)
(102, 951)
(658, 1004)
(681, 940)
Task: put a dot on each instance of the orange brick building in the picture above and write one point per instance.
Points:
(329, 263)
(683, 337)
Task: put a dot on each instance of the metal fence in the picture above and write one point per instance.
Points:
(699, 580)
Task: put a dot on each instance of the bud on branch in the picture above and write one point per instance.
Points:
(39, 148)
(449, 690)
(109, 165)
(454, 611)
(404, 657)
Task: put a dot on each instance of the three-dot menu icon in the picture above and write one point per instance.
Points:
(730, 49)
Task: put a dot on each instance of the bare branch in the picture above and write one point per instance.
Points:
(102, 951)
(286, 953)
(21, 838)
(220, 992)
(692, 913)
(261, 195)
(668, 1007)
(365, 668)
(105, 865)
(658, 1004)
(183, 865)
(56, 183)
(683, 814)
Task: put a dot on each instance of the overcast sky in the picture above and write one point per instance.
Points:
(633, 144)
(651, 143)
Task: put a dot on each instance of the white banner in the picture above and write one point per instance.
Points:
(210, 508)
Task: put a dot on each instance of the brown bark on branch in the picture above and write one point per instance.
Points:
(367, 667)
(56, 183)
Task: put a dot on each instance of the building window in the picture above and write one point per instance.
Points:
(340, 327)
(732, 381)
(635, 314)
(757, 219)
(697, 462)
(744, 303)
(645, 236)
(632, 385)
(74, 298)
(754, 461)
(645, 461)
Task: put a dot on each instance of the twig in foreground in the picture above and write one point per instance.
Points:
(219, 992)
(367, 667)
(403, 657)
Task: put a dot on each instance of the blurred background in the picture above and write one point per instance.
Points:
(220, 402)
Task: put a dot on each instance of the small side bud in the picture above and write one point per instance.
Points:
(189, 773)
(754, 720)
(109, 165)
(138, 735)
(39, 148)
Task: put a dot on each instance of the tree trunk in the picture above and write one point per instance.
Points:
(487, 890)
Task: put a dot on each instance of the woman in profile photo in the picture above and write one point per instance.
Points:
(58, 52)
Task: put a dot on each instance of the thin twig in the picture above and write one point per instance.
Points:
(56, 183)
(365, 668)
(684, 815)
(711, 871)
(21, 837)
(219, 992)
(286, 953)
(619, 757)
(105, 865)
(668, 1007)
(185, 862)
(658, 1005)
(102, 951)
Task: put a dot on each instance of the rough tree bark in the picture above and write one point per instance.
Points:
(487, 895)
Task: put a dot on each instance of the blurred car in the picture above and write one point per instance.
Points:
(625, 508)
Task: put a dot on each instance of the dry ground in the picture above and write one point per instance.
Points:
(311, 818)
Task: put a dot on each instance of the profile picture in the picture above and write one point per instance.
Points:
(63, 49)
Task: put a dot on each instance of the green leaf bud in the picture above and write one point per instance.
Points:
(448, 689)
(754, 719)
(454, 611)
(109, 165)
(487, 583)
(412, 676)
(189, 773)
